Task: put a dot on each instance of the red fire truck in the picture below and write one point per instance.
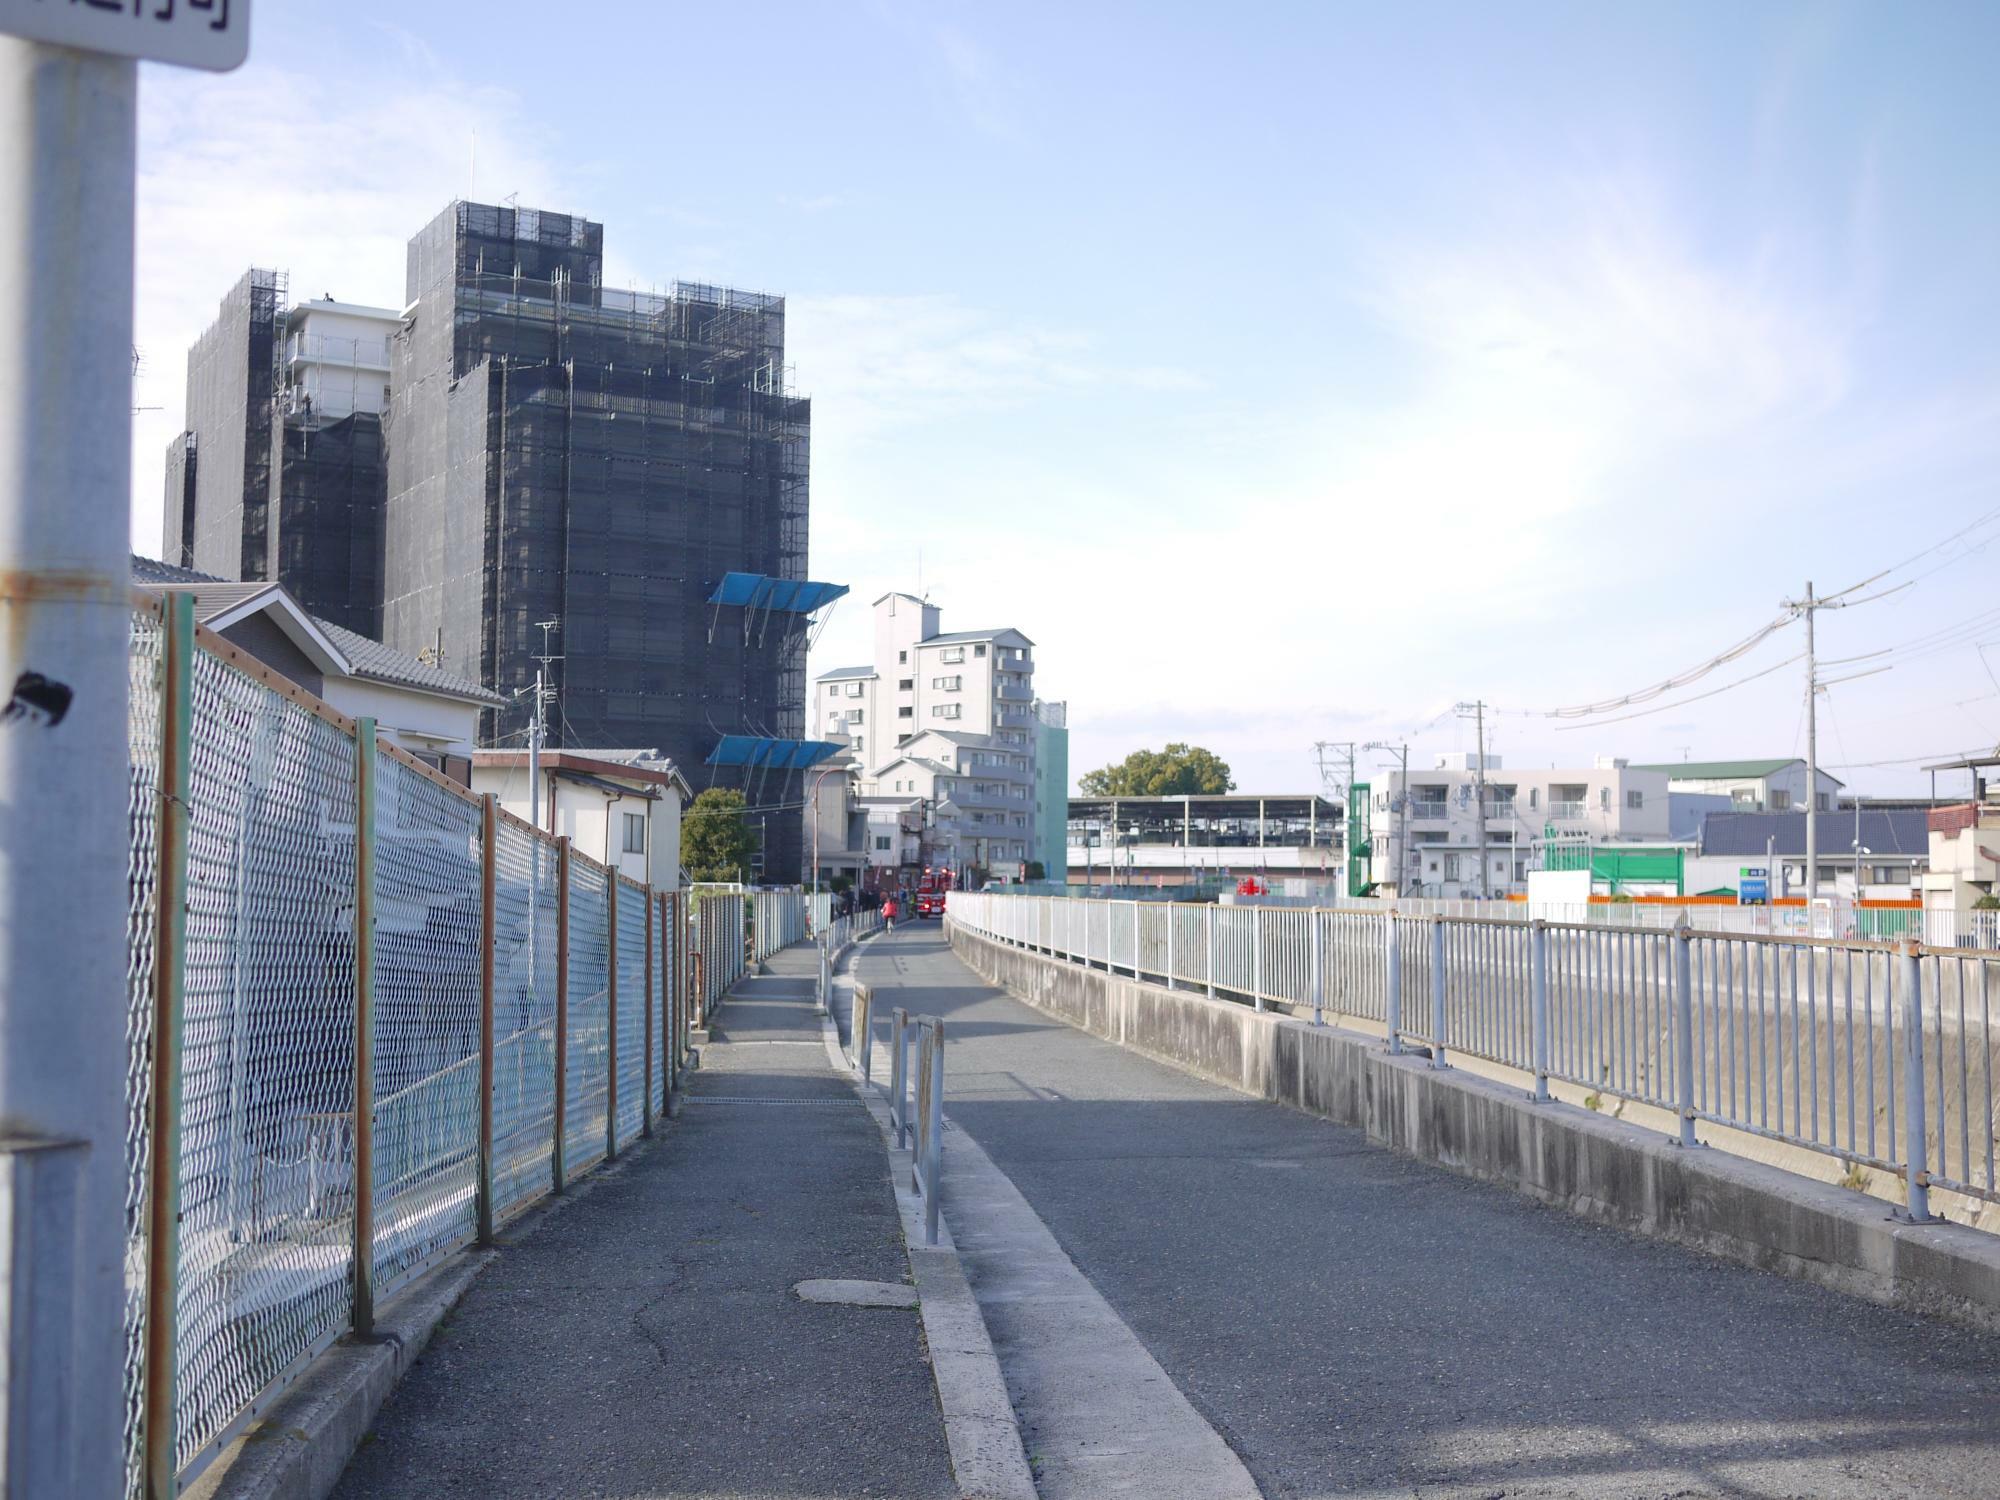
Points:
(931, 891)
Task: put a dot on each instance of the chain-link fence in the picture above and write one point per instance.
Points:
(371, 1018)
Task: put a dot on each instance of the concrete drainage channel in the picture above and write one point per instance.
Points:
(981, 1434)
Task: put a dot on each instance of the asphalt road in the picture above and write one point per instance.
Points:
(1353, 1322)
(645, 1341)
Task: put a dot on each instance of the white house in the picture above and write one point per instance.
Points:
(425, 710)
(1426, 840)
(1749, 785)
(621, 807)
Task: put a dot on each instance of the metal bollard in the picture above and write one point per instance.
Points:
(864, 1031)
(899, 1075)
(1684, 1034)
(1437, 993)
(934, 1128)
(1395, 995)
(1916, 1128)
(1538, 966)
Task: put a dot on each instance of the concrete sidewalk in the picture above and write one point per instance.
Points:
(1353, 1322)
(646, 1340)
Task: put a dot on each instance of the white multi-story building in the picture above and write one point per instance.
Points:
(944, 721)
(1428, 842)
(1749, 785)
(337, 358)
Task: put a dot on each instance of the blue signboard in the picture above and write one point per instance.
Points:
(1753, 887)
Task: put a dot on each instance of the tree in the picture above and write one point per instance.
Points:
(715, 837)
(1177, 771)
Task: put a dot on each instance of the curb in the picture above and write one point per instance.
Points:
(982, 1434)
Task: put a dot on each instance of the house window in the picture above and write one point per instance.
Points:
(901, 657)
(881, 841)
(906, 712)
(854, 716)
(904, 684)
(952, 654)
(1635, 800)
(1821, 801)
(854, 690)
(1780, 801)
(635, 833)
(944, 710)
(1892, 875)
(978, 650)
(946, 684)
(833, 690)
(1604, 798)
(860, 743)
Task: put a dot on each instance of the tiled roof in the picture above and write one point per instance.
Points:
(1886, 834)
(376, 662)
(846, 672)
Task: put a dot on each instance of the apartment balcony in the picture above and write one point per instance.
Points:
(1569, 812)
(1439, 812)
(1014, 718)
(1007, 693)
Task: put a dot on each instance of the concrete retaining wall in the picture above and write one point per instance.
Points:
(1594, 1166)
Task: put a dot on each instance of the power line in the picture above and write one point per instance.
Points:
(1682, 702)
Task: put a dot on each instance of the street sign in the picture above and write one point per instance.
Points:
(211, 34)
(1753, 886)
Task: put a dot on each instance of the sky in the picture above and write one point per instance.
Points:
(1289, 374)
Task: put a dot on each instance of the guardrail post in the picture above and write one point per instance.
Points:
(1437, 993)
(823, 997)
(489, 837)
(646, 1108)
(1916, 1128)
(1136, 910)
(1319, 968)
(1538, 1015)
(611, 1015)
(670, 1020)
(934, 1152)
(899, 1075)
(364, 1028)
(1208, 939)
(556, 1172)
(864, 1031)
(1393, 1001)
(163, 1235)
(1684, 1033)
(1170, 944)
(1257, 955)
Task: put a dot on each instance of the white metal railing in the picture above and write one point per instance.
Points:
(1807, 1040)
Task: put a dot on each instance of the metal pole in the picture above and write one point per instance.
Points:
(169, 979)
(1170, 945)
(1135, 940)
(1437, 993)
(65, 484)
(1318, 973)
(1916, 1129)
(611, 1014)
(1812, 755)
(934, 1165)
(1257, 955)
(364, 1028)
(652, 994)
(1684, 1033)
(1538, 964)
(1395, 985)
(1208, 937)
(669, 1003)
(1479, 794)
(556, 1171)
(489, 830)
(899, 1075)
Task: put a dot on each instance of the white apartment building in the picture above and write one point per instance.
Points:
(337, 358)
(1426, 841)
(946, 721)
(1749, 785)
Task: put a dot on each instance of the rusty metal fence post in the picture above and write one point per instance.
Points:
(364, 1028)
(489, 835)
(611, 1015)
(556, 1172)
(169, 979)
(652, 1003)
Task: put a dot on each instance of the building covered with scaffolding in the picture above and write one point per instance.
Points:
(278, 477)
(572, 470)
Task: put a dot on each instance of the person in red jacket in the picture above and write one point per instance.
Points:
(889, 914)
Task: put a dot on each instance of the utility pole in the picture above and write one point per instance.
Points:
(1478, 711)
(538, 725)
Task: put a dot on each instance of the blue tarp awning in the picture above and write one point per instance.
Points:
(776, 755)
(789, 596)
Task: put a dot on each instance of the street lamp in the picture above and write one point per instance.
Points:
(812, 805)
